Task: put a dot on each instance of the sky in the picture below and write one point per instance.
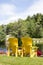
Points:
(12, 10)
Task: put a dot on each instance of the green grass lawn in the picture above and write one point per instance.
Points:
(11, 60)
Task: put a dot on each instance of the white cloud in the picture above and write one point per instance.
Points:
(6, 9)
(37, 7)
(10, 11)
(6, 12)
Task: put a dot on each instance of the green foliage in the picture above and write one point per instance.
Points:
(30, 27)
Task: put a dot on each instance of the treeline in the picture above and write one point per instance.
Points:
(30, 27)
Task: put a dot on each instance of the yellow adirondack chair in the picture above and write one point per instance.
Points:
(26, 45)
(13, 45)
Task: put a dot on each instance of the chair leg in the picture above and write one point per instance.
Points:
(16, 52)
(22, 53)
(8, 53)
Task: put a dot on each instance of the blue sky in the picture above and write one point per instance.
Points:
(11, 10)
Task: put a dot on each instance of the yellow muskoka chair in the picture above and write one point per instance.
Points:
(13, 46)
(27, 47)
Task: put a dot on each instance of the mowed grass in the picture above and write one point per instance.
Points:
(11, 60)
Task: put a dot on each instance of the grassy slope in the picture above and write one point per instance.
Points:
(4, 60)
